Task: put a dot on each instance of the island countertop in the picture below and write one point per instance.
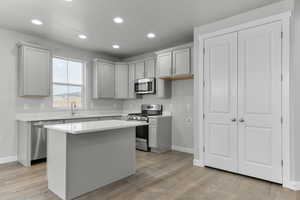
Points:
(94, 126)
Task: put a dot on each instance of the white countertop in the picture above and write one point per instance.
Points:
(30, 117)
(95, 126)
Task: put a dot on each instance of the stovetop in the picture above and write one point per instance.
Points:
(146, 110)
(140, 116)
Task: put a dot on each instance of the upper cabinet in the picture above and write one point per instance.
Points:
(140, 70)
(121, 83)
(181, 62)
(150, 68)
(103, 80)
(131, 79)
(164, 65)
(34, 71)
(175, 63)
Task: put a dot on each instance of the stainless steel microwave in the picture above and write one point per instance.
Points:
(145, 86)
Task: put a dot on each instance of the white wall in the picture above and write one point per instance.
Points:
(10, 104)
(181, 106)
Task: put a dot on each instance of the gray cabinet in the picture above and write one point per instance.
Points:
(34, 71)
(160, 133)
(131, 79)
(164, 65)
(103, 80)
(175, 63)
(181, 62)
(121, 81)
(150, 68)
(140, 70)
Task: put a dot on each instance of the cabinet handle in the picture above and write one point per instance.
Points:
(242, 120)
(233, 120)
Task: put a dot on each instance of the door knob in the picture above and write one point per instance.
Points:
(242, 120)
(233, 120)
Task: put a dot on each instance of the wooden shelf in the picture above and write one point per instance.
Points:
(179, 78)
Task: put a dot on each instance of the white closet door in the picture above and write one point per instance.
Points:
(220, 72)
(259, 102)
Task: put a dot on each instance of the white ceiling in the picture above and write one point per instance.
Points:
(171, 20)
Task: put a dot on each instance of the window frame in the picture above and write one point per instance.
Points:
(82, 86)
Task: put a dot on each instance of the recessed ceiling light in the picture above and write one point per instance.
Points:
(118, 20)
(115, 46)
(68, 0)
(36, 22)
(81, 36)
(151, 35)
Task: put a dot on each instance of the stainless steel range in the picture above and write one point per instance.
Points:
(142, 132)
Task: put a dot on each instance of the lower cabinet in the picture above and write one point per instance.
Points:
(121, 81)
(160, 133)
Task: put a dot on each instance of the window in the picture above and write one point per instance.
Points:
(68, 84)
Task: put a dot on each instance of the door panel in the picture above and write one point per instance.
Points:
(121, 81)
(150, 68)
(140, 70)
(220, 74)
(131, 79)
(164, 65)
(107, 72)
(259, 102)
(181, 62)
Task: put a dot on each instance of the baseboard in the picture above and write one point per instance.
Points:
(183, 149)
(8, 159)
(293, 185)
(198, 163)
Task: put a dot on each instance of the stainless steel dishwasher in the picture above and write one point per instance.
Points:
(39, 139)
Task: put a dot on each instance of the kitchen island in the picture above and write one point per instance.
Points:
(82, 157)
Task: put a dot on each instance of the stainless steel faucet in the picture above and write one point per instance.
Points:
(73, 108)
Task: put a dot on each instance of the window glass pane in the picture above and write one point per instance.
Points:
(75, 72)
(60, 96)
(60, 70)
(75, 95)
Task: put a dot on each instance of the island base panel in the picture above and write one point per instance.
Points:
(92, 160)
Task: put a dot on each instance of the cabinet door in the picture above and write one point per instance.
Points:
(107, 80)
(220, 102)
(150, 68)
(259, 102)
(153, 136)
(164, 65)
(34, 72)
(140, 70)
(131, 79)
(181, 62)
(121, 81)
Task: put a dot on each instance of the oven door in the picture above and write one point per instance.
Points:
(142, 138)
(145, 86)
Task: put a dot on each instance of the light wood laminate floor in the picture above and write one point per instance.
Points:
(164, 176)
